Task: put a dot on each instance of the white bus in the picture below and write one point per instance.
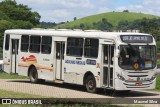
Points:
(96, 59)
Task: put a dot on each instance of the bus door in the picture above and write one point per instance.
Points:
(14, 54)
(108, 58)
(60, 46)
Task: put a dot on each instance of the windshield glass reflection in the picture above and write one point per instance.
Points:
(143, 56)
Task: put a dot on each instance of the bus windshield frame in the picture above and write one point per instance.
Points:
(143, 56)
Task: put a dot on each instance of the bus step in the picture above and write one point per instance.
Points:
(59, 81)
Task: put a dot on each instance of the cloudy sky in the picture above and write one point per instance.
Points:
(66, 10)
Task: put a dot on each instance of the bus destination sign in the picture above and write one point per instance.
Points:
(136, 38)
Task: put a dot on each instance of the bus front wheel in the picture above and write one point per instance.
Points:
(91, 84)
(33, 75)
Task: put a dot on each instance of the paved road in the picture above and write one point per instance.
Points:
(47, 89)
(53, 90)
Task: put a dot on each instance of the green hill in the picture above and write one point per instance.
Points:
(112, 17)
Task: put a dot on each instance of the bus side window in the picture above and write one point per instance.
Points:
(24, 43)
(35, 44)
(91, 48)
(75, 47)
(46, 44)
(7, 42)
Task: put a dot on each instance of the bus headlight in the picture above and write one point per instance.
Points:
(153, 77)
(120, 77)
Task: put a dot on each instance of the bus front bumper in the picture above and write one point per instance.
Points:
(124, 85)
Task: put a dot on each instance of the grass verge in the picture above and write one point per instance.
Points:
(158, 61)
(158, 83)
(4, 75)
(11, 94)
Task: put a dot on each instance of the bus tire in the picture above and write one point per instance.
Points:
(91, 84)
(41, 81)
(33, 75)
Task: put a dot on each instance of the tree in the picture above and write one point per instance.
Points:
(75, 18)
(15, 16)
(82, 26)
(149, 25)
(125, 11)
(20, 24)
(19, 12)
(103, 24)
(47, 24)
(4, 24)
(104, 20)
(3, 16)
(123, 25)
(135, 25)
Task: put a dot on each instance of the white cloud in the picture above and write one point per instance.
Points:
(54, 4)
(151, 2)
(137, 7)
(63, 10)
(104, 9)
(55, 15)
(147, 2)
(59, 10)
(121, 8)
(147, 6)
(77, 3)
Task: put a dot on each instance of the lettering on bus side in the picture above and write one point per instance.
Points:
(90, 62)
(44, 59)
(75, 62)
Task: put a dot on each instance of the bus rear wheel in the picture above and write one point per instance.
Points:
(91, 84)
(33, 75)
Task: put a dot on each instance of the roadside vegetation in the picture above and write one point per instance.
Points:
(158, 83)
(158, 61)
(11, 94)
(4, 75)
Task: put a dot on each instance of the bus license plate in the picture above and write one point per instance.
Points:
(139, 83)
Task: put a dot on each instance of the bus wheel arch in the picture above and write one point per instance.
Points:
(90, 82)
(33, 74)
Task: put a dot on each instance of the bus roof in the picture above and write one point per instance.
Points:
(71, 33)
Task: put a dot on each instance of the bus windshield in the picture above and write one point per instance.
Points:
(143, 56)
